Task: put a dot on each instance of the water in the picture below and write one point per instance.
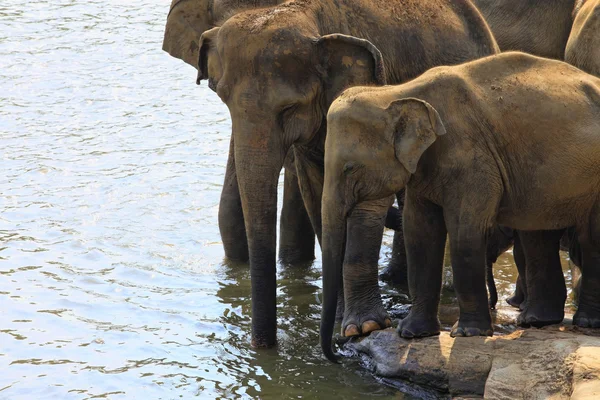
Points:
(112, 280)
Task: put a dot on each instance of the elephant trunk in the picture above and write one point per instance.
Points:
(259, 159)
(334, 241)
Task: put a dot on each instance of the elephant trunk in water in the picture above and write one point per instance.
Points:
(334, 244)
(258, 164)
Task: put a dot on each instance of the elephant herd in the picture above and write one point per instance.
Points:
(369, 101)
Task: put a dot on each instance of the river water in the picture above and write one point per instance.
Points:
(112, 279)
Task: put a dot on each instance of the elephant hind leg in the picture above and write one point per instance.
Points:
(588, 311)
(396, 271)
(546, 289)
(231, 217)
(296, 234)
(519, 297)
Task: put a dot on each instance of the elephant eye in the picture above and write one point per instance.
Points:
(285, 113)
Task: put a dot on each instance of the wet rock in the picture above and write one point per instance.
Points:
(558, 362)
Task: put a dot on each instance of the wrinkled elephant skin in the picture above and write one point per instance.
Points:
(499, 152)
(278, 69)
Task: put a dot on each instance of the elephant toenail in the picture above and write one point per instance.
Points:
(388, 322)
(407, 334)
(351, 330)
(370, 326)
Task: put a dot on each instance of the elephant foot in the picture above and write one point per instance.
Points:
(586, 317)
(472, 327)
(362, 322)
(540, 316)
(394, 273)
(415, 327)
(515, 300)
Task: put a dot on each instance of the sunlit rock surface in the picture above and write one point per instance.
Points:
(557, 362)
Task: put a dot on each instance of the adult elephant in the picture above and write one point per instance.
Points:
(186, 22)
(583, 46)
(278, 70)
(560, 29)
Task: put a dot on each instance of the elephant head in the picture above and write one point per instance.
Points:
(189, 19)
(277, 79)
(370, 154)
(186, 21)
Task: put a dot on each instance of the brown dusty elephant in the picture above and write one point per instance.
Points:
(278, 69)
(560, 29)
(583, 46)
(187, 20)
(475, 145)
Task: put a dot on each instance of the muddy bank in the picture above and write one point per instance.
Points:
(558, 362)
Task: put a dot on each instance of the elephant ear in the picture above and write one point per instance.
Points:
(186, 21)
(349, 61)
(209, 63)
(416, 126)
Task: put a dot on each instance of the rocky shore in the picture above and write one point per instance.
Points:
(556, 362)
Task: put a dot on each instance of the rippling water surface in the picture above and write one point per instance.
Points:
(112, 280)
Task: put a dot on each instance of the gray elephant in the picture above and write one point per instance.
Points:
(475, 145)
(187, 20)
(278, 69)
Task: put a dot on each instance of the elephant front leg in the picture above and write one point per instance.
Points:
(364, 311)
(425, 240)
(546, 289)
(468, 244)
(296, 235)
(231, 217)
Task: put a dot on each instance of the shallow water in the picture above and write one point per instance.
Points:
(112, 280)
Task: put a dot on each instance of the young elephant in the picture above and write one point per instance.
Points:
(511, 139)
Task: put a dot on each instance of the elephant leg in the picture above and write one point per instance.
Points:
(231, 217)
(310, 180)
(499, 241)
(546, 289)
(396, 270)
(520, 295)
(364, 310)
(469, 228)
(425, 240)
(296, 235)
(588, 310)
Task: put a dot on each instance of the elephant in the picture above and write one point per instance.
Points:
(186, 21)
(539, 27)
(278, 69)
(559, 29)
(474, 146)
(189, 19)
(583, 46)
